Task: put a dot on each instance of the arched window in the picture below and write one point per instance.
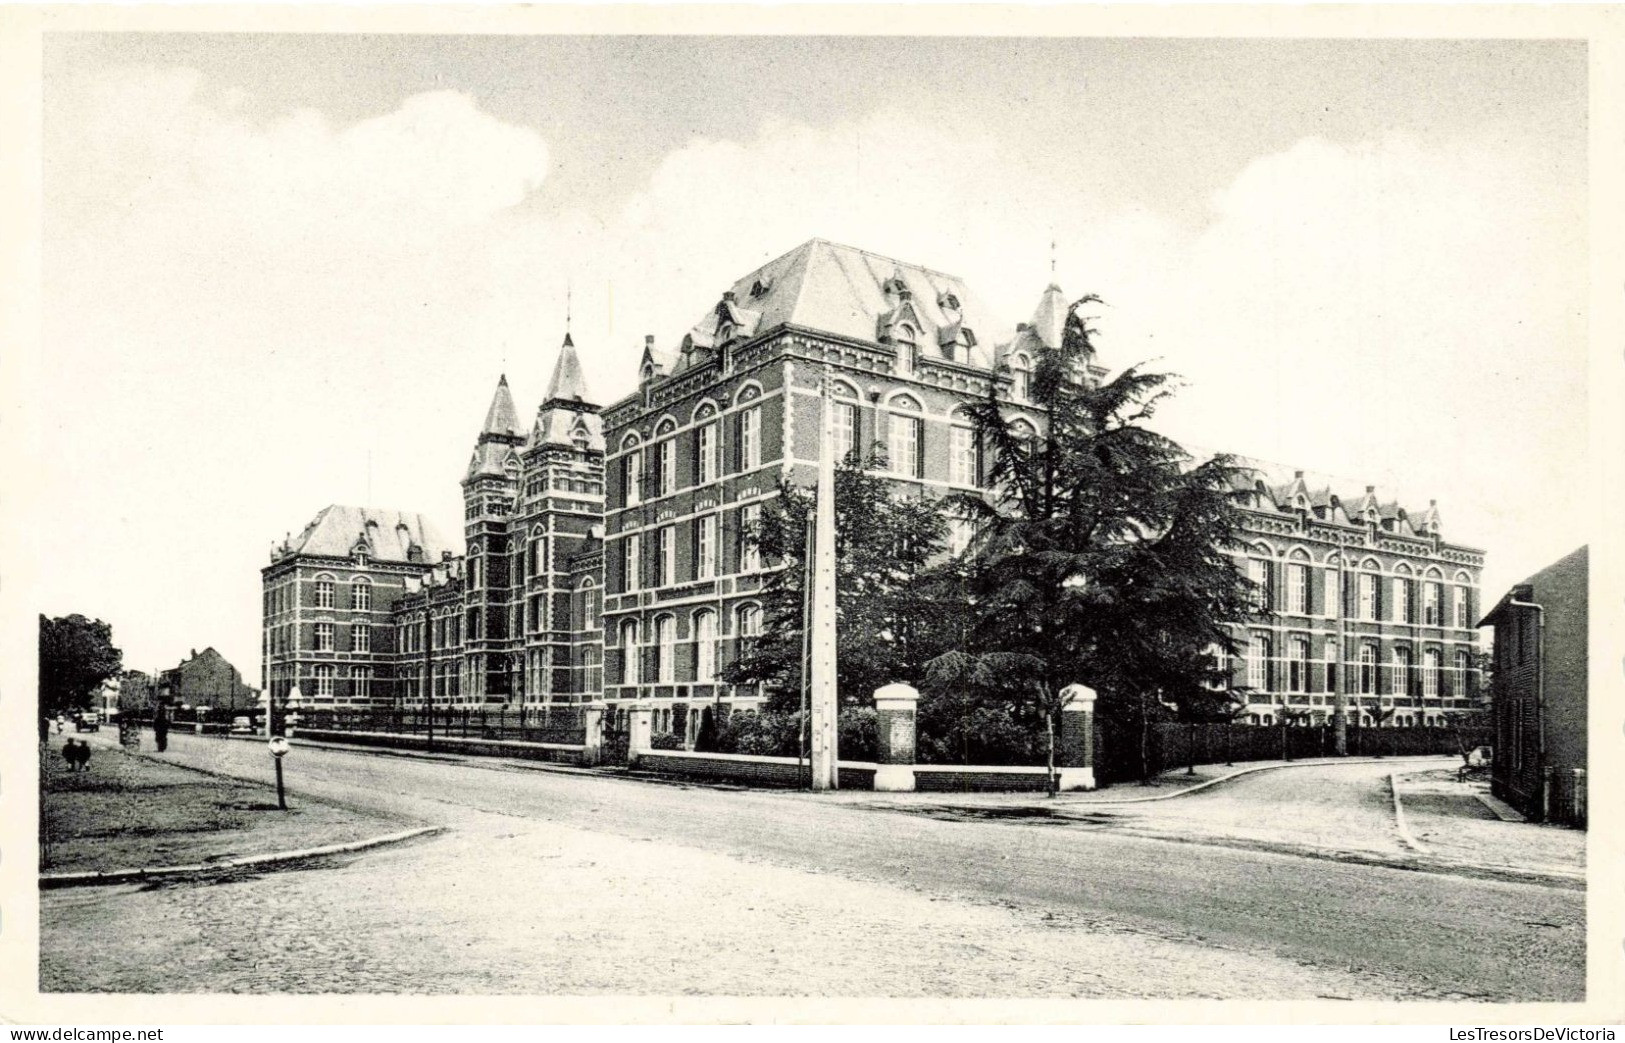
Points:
(748, 620)
(905, 448)
(1021, 377)
(629, 651)
(964, 452)
(324, 592)
(705, 645)
(361, 595)
(845, 420)
(665, 649)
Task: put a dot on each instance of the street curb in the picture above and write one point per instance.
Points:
(1406, 837)
(48, 882)
(1257, 768)
(1503, 811)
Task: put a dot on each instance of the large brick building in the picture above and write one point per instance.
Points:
(605, 557)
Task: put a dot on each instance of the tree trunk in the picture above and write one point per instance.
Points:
(1190, 759)
(1145, 740)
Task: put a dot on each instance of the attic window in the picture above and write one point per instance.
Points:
(761, 287)
(648, 372)
(949, 301)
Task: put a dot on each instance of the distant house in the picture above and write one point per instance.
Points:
(207, 679)
(1539, 693)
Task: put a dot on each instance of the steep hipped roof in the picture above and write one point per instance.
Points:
(848, 292)
(389, 535)
(501, 418)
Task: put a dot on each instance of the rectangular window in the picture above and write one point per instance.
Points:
(324, 593)
(361, 596)
(705, 446)
(632, 478)
(1298, 665)
(1258, 573)
(667, 551)
(324, 637)
(324, 682)
(750, 438)
(1460, 601)
(1298, 589)
(361, 638)
(634, 566)
(1368, 596)
(750, 556)
(963, 457)
(361, 682)
(959, 535)
(1368, 669)
(1402, 601)
(666, 464)
(665, 649)
(1430, 674)
(1399, 682)
(1334, 593)
(907, 434)
(1430, 605)
(1331, 665)
(1258, 654)
(846, 430)
(705, 547)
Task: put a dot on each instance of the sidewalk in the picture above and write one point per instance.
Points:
(134, 814)
(1452, 825)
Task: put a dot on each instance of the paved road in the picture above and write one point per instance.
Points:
(553, 882)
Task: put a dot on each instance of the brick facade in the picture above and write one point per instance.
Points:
(604, 552)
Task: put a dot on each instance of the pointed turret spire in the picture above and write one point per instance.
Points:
(568, 383)
(501, 419)
(1049, 318)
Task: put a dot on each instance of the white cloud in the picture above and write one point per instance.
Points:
(250, 305)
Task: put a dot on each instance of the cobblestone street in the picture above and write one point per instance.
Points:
(568, 884)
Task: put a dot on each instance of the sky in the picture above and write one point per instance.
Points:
(285, 271)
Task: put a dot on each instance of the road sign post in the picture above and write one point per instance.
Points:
(279, 749)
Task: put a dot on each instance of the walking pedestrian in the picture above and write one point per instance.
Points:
(160, 727)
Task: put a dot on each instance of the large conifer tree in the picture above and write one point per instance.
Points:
(1103, 555)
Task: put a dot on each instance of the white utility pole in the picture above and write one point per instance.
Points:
(823, 699)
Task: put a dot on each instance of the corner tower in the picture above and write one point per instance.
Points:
(490, 491)
(557, 539)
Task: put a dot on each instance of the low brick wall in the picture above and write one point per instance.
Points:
(783, 772)
(952, 778)
(557, 753)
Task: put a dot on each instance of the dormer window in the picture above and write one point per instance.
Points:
(970, 336)
(649, 372)
(1371, 516)
(761, 287)
(949, 301)
(726, 331)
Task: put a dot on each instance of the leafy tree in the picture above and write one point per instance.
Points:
(895, 609)
(1103, 553)
(75, 656)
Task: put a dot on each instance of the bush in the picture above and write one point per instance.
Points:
(669, 741)
(857, 732)
(956, 729)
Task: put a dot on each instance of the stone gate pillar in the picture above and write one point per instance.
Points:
(1075, 755)
(640, 733)
(895, 707)
(592, 741)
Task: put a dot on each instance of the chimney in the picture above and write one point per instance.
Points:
(1298, 475)
(1370, 489)
(649, 340)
